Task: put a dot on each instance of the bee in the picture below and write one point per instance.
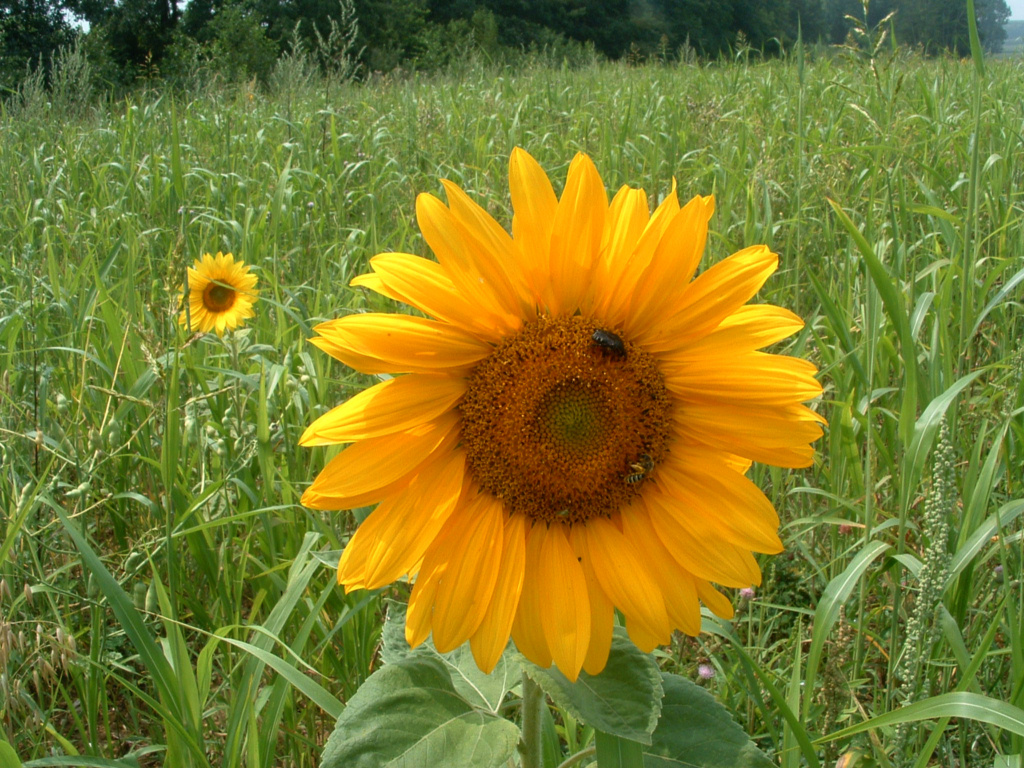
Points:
(609, 343)
(641, 468)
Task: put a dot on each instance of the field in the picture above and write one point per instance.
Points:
(165, 599)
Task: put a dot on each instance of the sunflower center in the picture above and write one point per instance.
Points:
(565, 420)
(218, 298)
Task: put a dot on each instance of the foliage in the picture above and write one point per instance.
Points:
(242, 40)
(933, 25)
(31, 32)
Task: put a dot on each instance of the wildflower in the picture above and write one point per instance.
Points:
(221, 294)
(572, 425)
(705, 671)
(747, 593)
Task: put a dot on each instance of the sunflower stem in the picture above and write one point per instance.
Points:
(533, 704)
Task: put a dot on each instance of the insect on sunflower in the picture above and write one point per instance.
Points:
(221, 292)
(572, 425)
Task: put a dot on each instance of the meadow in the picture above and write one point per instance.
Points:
(166, 600)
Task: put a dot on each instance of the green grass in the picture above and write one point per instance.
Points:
(165, 596)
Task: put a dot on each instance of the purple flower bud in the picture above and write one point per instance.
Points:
(747, 593)
(705, 671)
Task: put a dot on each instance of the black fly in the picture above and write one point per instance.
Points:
(609, 343)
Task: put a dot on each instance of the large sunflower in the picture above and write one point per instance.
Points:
(572, 425)
(221, 292)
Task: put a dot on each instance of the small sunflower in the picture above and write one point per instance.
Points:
(220, 294)
(572, 423)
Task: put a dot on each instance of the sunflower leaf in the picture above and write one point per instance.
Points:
(480, 690)
(408, 714)
(624, 700)
(695, 731)
(486, 691)
(393, 645)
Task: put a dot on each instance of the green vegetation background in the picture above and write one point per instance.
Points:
(124, 40)
(165, 599)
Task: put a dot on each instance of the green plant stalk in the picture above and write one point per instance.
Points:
(530, 741)
(970, 247)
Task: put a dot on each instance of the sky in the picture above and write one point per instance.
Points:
(1016, 8)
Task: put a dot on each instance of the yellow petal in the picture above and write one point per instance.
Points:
(620, 569)
(613, 304)
(490, 240)
(534, 204)
(565, 608)
(602, 612)
(752, 378)
(777, 436)
(715, 600)
(752, 326)
(421, 603)
(642, 637)
(476, 273)
(375, 463)
(425, 284)
(710, 298)
(664, 282)
(490, 639)
(392, 406)
(328, 501)
(378, 343)
(676, 583)
(463, 561)
(393, 539)
(715, 561)
(628, 214)
(576, 234)
(527, 627)
(717, 503)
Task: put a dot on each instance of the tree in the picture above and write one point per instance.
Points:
(708, 25)
(992, 18)
(31, 31)
(136, 32)
(934, 25)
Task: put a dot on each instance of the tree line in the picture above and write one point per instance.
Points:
(125, 38)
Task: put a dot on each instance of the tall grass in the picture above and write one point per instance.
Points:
(165, 600)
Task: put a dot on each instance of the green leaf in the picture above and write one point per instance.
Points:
(479, 690)
(392, 638)
(825, 615)
(972, 29)
(150, 654)
(8, 757)
(408, 715)
(925, 430)
(1005, 515)
(78, 761)
(300, 680)
(695, 731)
(892, 300)
(972, 706)
(615, 752)
(624, 700)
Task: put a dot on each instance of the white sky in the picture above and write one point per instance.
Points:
(1016, 8)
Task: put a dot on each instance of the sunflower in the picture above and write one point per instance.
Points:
(220, 294)
(572, 423)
